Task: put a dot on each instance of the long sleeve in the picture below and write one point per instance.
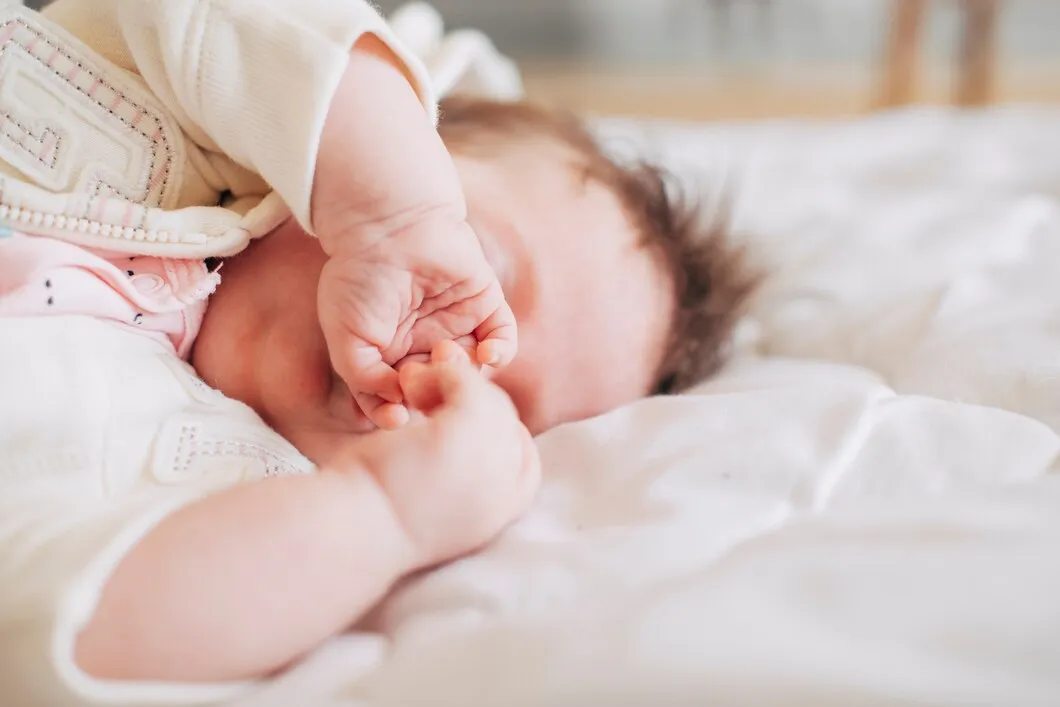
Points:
(251, 79)
(103, 435)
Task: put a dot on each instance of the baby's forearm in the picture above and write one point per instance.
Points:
(380, 161)
(242, 583)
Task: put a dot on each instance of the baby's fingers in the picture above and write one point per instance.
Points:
(384, 415)
(364, 371)
(498, 338)
(374, 386)
(443, 381)
(446, 351)
(421, 386)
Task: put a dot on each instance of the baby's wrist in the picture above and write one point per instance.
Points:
(390, 460)
(399, 232)
(370, 49)
(363, 494)
(380, 158)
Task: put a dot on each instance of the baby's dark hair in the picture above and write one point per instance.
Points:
(711, 277)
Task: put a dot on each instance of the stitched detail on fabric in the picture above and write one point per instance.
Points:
(34, 41)
(272, 462)
(186, 448)
(46, 145)
(190, 447)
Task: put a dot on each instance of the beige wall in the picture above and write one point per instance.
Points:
(752, 58)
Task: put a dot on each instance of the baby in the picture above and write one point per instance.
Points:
(159, 544)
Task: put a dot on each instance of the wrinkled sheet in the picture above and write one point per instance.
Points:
(863, 509)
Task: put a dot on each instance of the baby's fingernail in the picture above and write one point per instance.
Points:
(391, 417)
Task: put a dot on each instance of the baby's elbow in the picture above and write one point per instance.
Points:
(99, 653)
(110, 647)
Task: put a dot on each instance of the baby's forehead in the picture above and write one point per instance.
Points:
(569, 197)
(584, 180)
(574, 202)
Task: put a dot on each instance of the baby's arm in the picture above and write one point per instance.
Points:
(243, 582)
(323, 101)
(381, 165)
(406, 270)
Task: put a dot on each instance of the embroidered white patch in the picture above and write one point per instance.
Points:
(72, 122)
(210, 445)
(190, 381)
(219, 439)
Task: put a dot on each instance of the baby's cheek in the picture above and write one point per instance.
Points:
(520, 389)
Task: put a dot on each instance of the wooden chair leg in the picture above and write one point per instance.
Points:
(978, 52)
(902, 53)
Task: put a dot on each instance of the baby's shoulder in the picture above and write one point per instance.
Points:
(216, 437)
(90, 406)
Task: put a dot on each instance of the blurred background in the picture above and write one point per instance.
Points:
(732, 59)
(762, 58)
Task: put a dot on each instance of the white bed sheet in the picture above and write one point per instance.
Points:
(864, 509)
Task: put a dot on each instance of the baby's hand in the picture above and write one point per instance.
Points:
(463, 470)
(380, 303)
(405, 269)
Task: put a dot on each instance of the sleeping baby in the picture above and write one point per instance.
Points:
(234, 247)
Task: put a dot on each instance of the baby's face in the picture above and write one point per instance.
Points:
(593, 307)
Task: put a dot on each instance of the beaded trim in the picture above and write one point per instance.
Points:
(91, 227)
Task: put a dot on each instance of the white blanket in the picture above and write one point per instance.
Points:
(864, 509)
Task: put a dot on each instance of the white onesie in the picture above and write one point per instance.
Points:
(171, 128)
(103, 432)
(136, 127)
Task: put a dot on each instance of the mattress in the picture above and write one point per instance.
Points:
(862, 509)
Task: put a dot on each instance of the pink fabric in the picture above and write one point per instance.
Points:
(160, 297)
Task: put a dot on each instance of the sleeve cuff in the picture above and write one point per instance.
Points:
(75, 550)
(267, 110)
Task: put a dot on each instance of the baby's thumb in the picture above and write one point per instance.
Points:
(443, 381)
(361, 367)
(420, 386)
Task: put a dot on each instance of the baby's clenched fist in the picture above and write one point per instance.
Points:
(464, 468)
